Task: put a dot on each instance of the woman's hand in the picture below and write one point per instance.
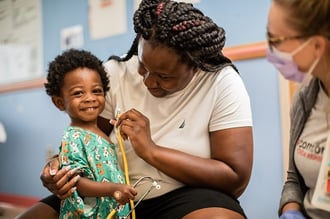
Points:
(135, 127)
(60, 182)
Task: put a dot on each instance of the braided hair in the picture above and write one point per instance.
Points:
(68, 61)
(180, 26)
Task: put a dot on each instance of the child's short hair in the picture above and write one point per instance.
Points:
(68, 61)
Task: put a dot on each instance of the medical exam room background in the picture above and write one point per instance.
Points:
(34, 126)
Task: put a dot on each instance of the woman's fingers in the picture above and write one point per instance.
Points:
(62, 176)
(66, 179)
(62, 183)
(130, 115)
(68, 188)
(49, 171)
(53, 166)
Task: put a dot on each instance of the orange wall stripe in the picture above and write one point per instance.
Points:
(18, 200)
(235, 53)
(244, 52)
(37, 83)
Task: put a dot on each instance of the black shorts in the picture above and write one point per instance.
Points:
(53, 201)
(175, 204)
(182, 201)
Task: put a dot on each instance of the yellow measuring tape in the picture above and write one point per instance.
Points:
(122, 150)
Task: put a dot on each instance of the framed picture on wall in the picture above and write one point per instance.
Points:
(21, 57)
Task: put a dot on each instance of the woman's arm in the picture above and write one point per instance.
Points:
(39, 210)
(228, 169)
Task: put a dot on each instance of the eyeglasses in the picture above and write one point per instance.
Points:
(275, 41)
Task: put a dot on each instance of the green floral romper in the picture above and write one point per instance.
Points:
(97, 160)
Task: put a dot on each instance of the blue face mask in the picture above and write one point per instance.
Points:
(285, 64)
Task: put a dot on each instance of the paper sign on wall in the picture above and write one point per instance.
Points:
(72, 37)
(107, 18)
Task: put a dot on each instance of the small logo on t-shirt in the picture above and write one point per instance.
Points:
(310, 150)
(182, 124)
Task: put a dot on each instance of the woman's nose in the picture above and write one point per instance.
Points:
(150, 80)
(145, 76)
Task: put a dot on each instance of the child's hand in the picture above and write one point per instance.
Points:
(124, 193)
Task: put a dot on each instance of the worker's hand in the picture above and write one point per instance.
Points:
(60, 182)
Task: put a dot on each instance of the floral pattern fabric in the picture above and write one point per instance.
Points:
(97, 160)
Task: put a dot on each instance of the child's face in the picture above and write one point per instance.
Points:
(82, 95)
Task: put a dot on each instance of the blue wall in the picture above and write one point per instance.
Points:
(34, 125)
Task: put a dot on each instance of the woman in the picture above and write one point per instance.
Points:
(186, 118)
(299, 46)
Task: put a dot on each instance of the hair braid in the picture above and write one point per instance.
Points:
(181, 26)
(132, 51)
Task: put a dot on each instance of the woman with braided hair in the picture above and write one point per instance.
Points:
(185, 117)
(298, 34)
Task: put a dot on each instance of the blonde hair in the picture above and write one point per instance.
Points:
(308, 17)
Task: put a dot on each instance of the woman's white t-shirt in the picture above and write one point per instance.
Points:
(182, 120)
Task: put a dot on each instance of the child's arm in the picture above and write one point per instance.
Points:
(90, 188)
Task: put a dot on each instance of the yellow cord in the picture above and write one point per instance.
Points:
(112, 214)
(122, 150)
